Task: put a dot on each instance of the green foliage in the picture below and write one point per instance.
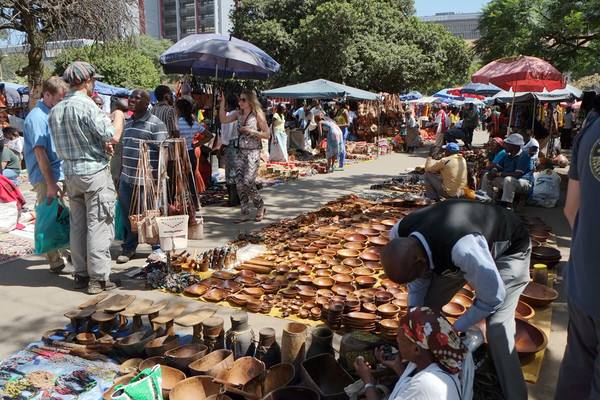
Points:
(11, 64)
(565, 33)
(376, 45)
(151, 47)
(121, 62)
(590, 82)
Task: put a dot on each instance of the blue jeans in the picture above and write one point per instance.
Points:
(10, 174)
(343, 149)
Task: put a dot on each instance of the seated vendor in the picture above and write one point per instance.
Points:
(434, 355)
(447, 177)
(456, 132)
(513, 173)
(10, 164)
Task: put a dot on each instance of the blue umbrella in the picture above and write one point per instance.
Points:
(443, 94)
(481, 89)
(212, 55)
(108, 90)
(414, 95)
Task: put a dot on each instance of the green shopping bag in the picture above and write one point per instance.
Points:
(119, 227)
(147, 385)
(51, 226)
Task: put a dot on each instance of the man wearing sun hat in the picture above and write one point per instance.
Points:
(83, 136)
(513, 172)
(447, 177)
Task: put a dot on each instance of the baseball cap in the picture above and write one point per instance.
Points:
(80, 71)
(452, 147)
(515, 139)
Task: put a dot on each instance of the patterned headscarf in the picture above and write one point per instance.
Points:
(431, 331)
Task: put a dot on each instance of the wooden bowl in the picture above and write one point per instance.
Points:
(323, 282)
(466, 292)
(462, 300)
(180, 357)
(196, 290)
(324, 272)
(368, 232)
(378, 241)
(130, 366)
(213, 364)
(383, 297)
(151, 362)
(343, 289)
(354, 245)
(305, 269)
(389, 325)
(160, 345)
(356, 237)
(537, 295)
(347, 253)
(305, 279)
(342, 278)
(283, 269)
(253, 291)
(246, 273)
(242, 371)
(388, 310)
(365, 281)
(453, 309)
(325, 293)
(352, 262)
(363, 271)
(85, 338)
(524, 311)
(361, 317)
(240, 299)
(133, 345)
(369, 256)
(529, 339)
(196, 387)
(370, 308)
(389, 222)
(170, 378)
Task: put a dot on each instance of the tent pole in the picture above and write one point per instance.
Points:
(533, 116)
(512, 110)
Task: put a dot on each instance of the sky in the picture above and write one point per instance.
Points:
(430, 7)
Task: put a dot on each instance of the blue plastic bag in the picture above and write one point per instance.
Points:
(119, 227)
(51, 226)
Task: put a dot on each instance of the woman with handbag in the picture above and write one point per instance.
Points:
(252, 128)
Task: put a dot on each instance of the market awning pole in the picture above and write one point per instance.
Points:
(533, 117)
(512, 109)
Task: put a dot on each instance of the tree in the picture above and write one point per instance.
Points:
(45, 20)
(121, 62)
(11, 64)
(375, 45)
(565, 33)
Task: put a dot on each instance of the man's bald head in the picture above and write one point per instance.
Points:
(404, 260)
(138, 101)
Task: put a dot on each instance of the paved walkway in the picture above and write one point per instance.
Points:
(33, 299)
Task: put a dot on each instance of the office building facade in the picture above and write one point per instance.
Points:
(176, 19)
(464, 26)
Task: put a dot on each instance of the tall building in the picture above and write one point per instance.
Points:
(175, 19)
(464, 26)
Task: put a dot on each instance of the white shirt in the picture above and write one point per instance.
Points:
(430, 384)
(228, 131)
(533, 143)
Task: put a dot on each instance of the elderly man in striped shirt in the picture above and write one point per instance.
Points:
(142, 126)
(83, 136)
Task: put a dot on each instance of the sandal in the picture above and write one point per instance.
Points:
(261, 214)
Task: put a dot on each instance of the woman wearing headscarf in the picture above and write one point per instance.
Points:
(252, 128)
(434, 353)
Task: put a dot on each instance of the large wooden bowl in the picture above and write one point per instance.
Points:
(529, 339)
(213, 364)
(196, 387)
(170, 378)
(537, 295)
(453, 309)
(524, 311)
(180, 357)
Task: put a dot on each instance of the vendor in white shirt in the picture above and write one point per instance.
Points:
(434, 354)
(437, 249)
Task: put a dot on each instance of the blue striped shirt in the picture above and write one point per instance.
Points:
(148, 127)
(188, 132)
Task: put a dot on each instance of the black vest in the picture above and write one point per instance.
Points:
(443, 224)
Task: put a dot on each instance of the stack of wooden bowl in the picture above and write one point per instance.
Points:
(360, 321)
(389, 329)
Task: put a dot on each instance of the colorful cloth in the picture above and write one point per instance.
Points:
(431, 331)
(80, 131)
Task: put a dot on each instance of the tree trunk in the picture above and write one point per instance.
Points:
(35, 55)
(35, 74)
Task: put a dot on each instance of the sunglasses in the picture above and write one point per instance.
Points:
(243, 99)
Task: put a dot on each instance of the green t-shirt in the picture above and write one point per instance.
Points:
(12, 158)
